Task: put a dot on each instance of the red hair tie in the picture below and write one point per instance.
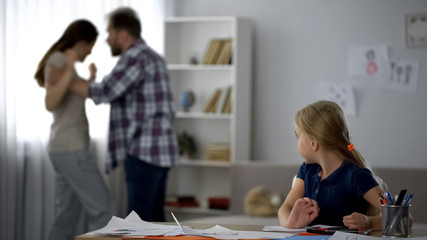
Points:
(350, 147)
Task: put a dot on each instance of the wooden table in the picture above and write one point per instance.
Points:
(416, 231)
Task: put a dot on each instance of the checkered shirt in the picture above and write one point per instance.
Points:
(141, 112)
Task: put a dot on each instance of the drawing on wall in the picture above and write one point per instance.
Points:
(403, 76)
(371, 65)
(368, 60)
(342, 94)
(416, 29)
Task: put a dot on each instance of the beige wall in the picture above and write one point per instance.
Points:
(301, 42)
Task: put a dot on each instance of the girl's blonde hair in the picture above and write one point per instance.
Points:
(324, 121)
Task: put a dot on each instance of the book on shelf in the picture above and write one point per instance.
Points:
(221, 102)
(208, 51)
(212, 101)
(181, 201)
(218, 44)
(218, 151)
(222, 203)
(211, 47)
(225, 54)
(228, 100)
(218, 51)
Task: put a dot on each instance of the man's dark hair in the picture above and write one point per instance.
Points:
(126, 19)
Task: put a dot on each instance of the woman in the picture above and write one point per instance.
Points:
(78, 181)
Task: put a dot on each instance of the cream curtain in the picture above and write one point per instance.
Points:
(27, 29)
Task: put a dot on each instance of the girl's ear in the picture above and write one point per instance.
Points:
(314, 145)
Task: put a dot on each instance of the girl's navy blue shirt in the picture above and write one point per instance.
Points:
(338, 195)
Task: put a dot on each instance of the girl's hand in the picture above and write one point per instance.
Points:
(92, 70)
(305, 210)
(357, 221)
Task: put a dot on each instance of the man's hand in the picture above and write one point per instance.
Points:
(93, 70)
(305, 210)
(80, 88)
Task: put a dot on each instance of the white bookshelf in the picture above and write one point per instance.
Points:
(201, 115)
(187, 37)
(199, 67)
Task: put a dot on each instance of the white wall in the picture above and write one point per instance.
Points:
(301, 42)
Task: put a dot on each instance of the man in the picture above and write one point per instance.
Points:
(141, 115)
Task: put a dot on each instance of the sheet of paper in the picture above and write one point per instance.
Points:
(214, 231)
(352, 236)
(368, 60)
(342, 94)
(220, 232)
(133, 226)
(403, 77)
(258, 235)
(282, 229)
(311, 237)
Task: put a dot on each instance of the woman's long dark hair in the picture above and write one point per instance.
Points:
(79, 30)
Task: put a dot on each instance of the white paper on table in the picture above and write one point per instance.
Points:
(352, 236)
(214, 231)
(220, 232)
(282, 229)
(132, 225)
(254, 235)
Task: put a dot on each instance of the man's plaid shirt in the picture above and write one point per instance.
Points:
(141, 113)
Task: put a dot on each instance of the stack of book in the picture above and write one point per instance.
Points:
(218, 51)
(219, 101)
(222, 203)
(218, 152)
(181, 201)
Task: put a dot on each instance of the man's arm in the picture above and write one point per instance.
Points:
(81, 88)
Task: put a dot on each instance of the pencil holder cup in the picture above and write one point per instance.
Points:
(395, 221)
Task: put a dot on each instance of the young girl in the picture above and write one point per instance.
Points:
(78, 182)
(333, 185)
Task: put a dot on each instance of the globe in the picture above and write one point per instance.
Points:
(188, 99)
